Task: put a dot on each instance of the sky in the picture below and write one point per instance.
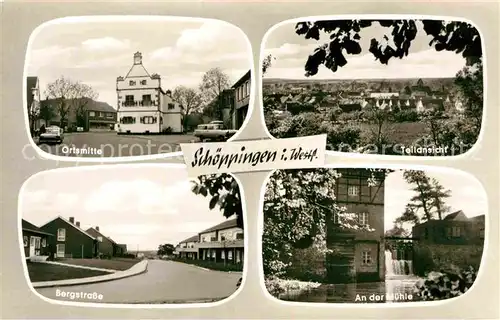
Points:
(142, 206)
(291, 52)
(96, 53)
(466, 194)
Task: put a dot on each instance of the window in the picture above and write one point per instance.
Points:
(99, 239)
(223, 255)
(213, 253)
(61, 234)
(60, 250)
(363, 218)
(109, 115)
(127, 120)
(129, 100)
(456, 232)
(230, 255)
(91, 114)
(148, 120)
(44, 242)
(144, 82)
(353, 191)
(335, 218)
(366, 257)
(131, 83)
(146, 100)
(248, 88)
(239, 236)
(222, 238)
(25, 241)
(171, 106)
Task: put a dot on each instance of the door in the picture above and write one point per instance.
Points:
(60, 251)
(32, 246)
(38, 242)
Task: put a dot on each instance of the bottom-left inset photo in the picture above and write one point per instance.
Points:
(132, 234)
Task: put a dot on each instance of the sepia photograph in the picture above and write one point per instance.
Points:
(409, 87)
(364, 235)
(132, 235)
(130, 86)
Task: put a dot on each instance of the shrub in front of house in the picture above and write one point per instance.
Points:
(276, 286)
(446, 284)
(212, 265)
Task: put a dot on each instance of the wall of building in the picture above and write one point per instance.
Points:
(441, 232)
(172, 114)
(206, 237)
(44, 250)
(229, 234)
(76, 242)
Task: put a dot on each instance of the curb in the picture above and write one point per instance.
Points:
(108, 277)
(193, 265)
(80, 267)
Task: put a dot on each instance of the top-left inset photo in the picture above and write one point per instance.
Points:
(134, 86)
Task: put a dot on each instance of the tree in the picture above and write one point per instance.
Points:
(213, 83)
(267, 63)
(165, 249)
(224, 194)
(429, 197)
(344, 38)
(190, 99)
(70, 96)
(80, 97)
(47, 112)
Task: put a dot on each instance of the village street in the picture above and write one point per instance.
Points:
(164, 282)
(110, 144)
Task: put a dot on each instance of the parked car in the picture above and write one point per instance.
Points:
(52, 134)
(214, 130)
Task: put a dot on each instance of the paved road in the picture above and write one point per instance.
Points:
(164, 282)
(113, 145)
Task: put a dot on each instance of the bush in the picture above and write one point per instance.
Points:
(445, 285)
(277, 286)
(212, 265)
(406, 116)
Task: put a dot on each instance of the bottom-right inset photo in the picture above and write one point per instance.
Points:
(365, 235)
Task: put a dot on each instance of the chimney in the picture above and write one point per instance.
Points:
(137, 58)
(72, 220)
(97, 228)
(78, 224)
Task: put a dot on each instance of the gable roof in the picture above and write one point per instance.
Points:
(221, 226)
(74, 226)
(30, 84)
(28, 226)
(241, 80)
(93, 230)
(194, 238)
(458, 215)
(91, 105)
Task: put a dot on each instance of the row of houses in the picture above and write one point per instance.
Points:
(82, 112)
(221, 243)
(62, 238)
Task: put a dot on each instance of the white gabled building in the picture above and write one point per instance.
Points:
(143, 106)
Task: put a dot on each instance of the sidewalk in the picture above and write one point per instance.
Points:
(138, 268)
(78, 266)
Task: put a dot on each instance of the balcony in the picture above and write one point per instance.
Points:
(142, 103)
(240, 243)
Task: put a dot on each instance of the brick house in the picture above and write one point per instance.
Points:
(70, 241)
(455, 229)
(106, 247)
(359, 254)
(35, 241)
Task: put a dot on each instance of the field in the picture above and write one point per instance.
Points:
(405, 133)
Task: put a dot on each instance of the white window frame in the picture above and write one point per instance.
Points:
(91, 114)
(58, 251)
(353, 191)
(59, 236)
(366, 258)
(230, 255)
(99, 238)
(456, 231)
(363, 218)
(44, 242)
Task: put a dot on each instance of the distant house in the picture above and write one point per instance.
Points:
(86, 113)
(120, 249)
(106, 246)
(455, 229)
(222, 243)
(187, 248)
(70, 241)
(35, 241)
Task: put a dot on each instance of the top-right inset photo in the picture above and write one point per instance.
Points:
(410, 87)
